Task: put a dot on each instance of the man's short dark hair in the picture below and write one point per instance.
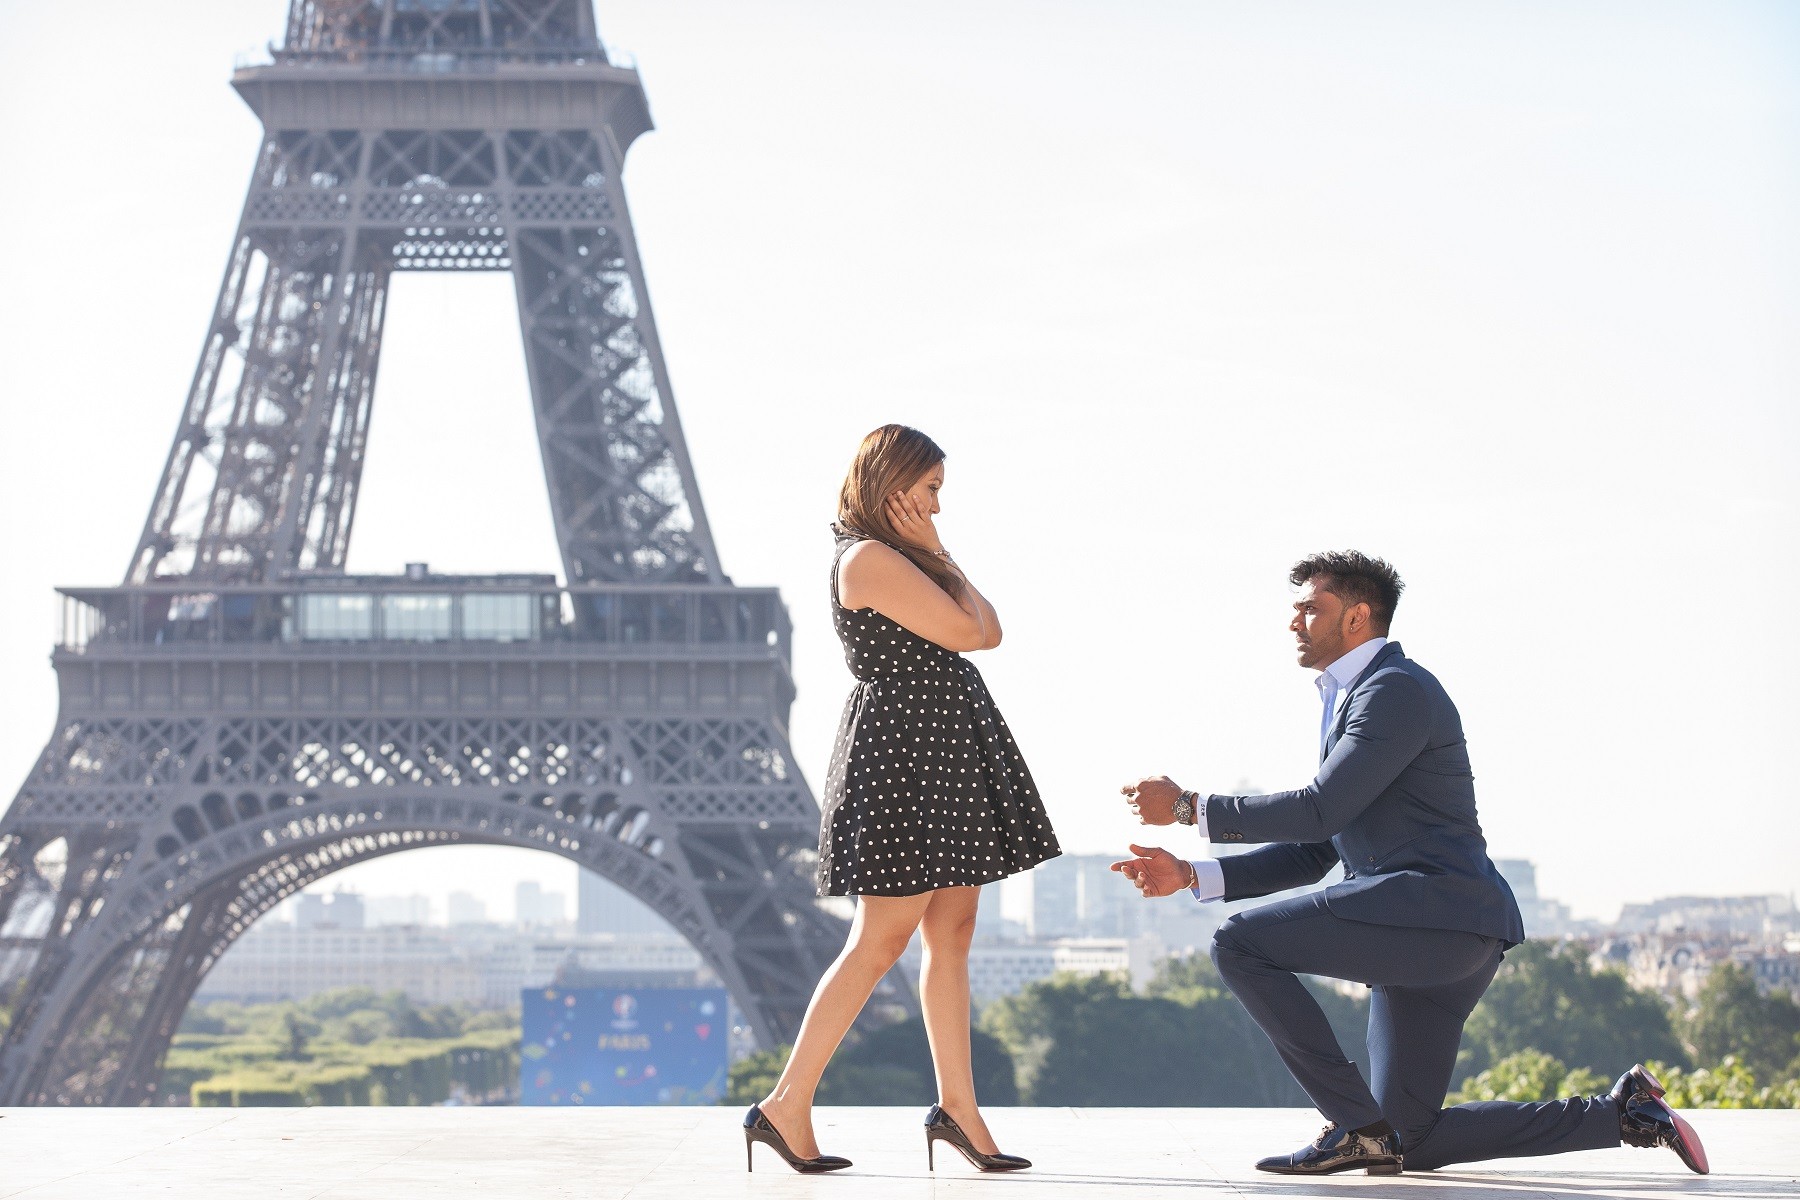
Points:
(1354, 578)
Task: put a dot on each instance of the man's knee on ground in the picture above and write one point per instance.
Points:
(1413, 1134)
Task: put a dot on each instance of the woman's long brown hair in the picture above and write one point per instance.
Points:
(892, 459)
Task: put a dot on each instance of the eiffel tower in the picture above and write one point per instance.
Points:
(241, 718)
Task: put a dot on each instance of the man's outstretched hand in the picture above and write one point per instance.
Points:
(1156, 872)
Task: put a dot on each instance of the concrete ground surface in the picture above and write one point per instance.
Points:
(651, 1153)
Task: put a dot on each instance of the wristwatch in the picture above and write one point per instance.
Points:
(1184, 808)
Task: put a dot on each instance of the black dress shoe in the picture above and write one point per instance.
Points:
(1646, 1121)
(1340, 1150)
(1636, 1082)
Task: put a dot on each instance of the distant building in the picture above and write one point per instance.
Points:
(1521, 876)
(602, 906)
(1056, 898)
(1081, 896)
(482, 965)
(509, 963)
(999, 969)
(1677, 965)
(464, 909)
(1135, 957)
(1003, 969)
(1543, 917)
(1675, 968)
(1775, 970)
(340, 910)
(279, 961)
(1743, 916)
(991, 925)
(533, 906)
(397, 910)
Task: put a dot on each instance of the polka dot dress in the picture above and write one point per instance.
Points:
(925, 789)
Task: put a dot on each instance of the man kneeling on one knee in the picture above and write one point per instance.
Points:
(1421, 916)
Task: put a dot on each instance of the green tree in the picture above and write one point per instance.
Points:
(298, 1052)
(890, 1064)
(904, 1046)
(492, 1018)
(202, 1019)
(1732, 1020)
(1729, 1085)
(1193, 979)
(1546, 998)
(296, 1031)
(360, 1028)
(1187, 977)
(1090, 1041)
(341, 1002)
(1530, 1075)
(9, 999)
(753, 1076)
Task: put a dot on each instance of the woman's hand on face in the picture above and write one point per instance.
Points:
(913, 522)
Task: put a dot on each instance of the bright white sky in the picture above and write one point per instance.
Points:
(1507, 293)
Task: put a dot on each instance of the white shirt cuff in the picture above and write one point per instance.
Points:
(1209, 880)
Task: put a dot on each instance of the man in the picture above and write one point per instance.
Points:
(1421, 916)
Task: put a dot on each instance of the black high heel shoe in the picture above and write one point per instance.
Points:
(939, 1127)
(758, 1128)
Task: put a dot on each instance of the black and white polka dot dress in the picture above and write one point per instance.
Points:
(925, 789)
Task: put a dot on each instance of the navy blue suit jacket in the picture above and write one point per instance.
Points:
(1394, 801)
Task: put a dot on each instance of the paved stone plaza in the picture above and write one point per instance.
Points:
(651, 1153)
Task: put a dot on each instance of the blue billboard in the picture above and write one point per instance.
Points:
(623, 1046)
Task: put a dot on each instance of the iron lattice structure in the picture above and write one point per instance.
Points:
(240, 718)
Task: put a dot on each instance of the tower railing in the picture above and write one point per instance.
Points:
(436, 59)
(327, 613)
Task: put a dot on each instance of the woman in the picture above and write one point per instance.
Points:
(926, 798)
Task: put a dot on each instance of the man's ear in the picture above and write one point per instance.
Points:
(1360, 616)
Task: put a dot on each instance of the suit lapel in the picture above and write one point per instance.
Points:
(1389, 653)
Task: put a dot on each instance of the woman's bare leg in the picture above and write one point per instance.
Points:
(949, 927)
(878, 936)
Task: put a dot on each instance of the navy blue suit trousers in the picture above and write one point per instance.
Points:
(1424, 984)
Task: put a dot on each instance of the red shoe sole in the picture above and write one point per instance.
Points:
(1691, 1151)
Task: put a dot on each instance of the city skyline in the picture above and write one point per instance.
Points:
(1566, 327)
(1082, 910)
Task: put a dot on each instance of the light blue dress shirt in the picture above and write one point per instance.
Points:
(1334, 685)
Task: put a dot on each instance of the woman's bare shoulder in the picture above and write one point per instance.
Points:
(872, 553)
(871, 566)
